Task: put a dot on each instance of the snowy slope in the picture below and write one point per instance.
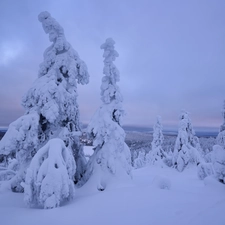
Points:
(155, 196)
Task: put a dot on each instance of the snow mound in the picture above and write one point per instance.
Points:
(161, 182)
(49, 178)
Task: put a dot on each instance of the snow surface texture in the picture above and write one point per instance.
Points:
(50, 104)
(142, 201)
(111, 157)
(49, 178)
(185, 151)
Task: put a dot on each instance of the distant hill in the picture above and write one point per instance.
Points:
(200, 132)
(168, 132)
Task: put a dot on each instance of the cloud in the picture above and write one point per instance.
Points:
(171, 54)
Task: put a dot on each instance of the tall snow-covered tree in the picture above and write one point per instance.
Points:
(157, 154)
(185, 152)
(50, 104)
(111, 156)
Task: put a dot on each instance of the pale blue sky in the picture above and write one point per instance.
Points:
(172, 55)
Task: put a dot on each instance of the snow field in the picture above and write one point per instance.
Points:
(138, 202)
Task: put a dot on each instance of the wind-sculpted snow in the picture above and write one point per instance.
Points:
(60, 55)
(49, 178)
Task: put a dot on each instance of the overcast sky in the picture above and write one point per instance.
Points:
(172, 55)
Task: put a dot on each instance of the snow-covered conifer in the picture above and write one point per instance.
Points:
(140, 161)
(204, 170)
(218, 161)
(221, 136)
(218, 153)
(50, 104)
(111, 156)
(50, 176)
(184, 150)
(157, 154)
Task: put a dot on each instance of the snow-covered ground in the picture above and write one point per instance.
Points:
(155, 196)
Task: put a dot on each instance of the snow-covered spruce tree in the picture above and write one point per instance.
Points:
(157, 154)
(111, 158)
(50, 104)
(218, 153)
(218, 162)
(205, 170)
(185, 152)
(50, 175)
(140, 161)
(221, 136)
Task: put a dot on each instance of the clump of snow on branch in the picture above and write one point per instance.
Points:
(49, 178)
(185, 152)
(111, 156)
(60, 55)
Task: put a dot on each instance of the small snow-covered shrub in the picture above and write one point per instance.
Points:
(168, 160)
(49, 178)
(218, 160)
(205, 170)
(162, 182)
